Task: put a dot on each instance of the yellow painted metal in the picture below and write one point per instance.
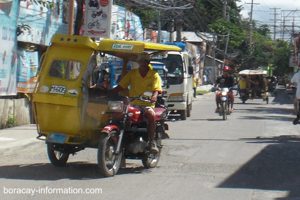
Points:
(73, 41)
(62, 112)
(131, 49)
(160, 47)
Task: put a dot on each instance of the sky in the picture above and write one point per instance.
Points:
(263, 9)
(287, 12)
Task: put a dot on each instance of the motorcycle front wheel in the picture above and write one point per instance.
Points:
(224, 107)
(108, 161)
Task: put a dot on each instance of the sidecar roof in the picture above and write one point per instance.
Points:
(74, 41)
(130, 49)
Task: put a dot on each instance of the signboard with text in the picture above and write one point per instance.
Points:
(97, 18)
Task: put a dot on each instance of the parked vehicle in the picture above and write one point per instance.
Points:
(179, 84)
(71, 115)
(162, 71)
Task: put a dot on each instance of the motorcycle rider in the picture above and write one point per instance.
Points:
(225, 81)
(243, 84)
(296, 81)
(139, 81)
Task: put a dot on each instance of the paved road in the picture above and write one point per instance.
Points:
(254, 155)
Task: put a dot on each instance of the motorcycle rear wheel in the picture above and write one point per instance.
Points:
(108, 162)
(151, 160)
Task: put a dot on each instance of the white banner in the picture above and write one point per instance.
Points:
(97, 18)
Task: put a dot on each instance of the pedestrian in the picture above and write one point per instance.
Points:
(195, 83)
(296, 81)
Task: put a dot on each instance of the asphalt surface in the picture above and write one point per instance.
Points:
(254, 155)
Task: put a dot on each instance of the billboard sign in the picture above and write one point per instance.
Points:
(97, 18)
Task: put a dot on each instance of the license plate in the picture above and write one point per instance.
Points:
(57, 138)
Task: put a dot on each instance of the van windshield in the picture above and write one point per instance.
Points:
(174, 66)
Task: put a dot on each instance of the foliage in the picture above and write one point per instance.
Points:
(281, 58)
(11, 122)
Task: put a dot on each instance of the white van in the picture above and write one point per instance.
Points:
(179, 83)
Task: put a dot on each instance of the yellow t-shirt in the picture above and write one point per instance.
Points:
(243, 84)
(138, 84)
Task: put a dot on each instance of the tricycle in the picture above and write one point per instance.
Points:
(253, 85)
(71, 114)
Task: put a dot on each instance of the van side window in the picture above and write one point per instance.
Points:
(65, 69)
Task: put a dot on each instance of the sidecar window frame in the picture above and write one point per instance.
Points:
(65, 69)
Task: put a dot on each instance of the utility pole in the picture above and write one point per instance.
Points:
(251, 26)
(71, 19)
(158, 27)
(275, 24)
(291, 19)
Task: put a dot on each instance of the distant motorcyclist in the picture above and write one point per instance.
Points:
(225, 81)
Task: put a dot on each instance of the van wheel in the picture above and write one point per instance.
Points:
(183, 114)
(188, 110)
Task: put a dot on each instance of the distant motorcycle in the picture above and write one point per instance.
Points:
(244, 95)
(224, 102)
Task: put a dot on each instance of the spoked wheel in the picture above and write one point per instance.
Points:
(108, 161)
(189, 109)
(150, 160)
(56, 157)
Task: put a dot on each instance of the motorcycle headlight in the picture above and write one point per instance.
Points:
(115, 106)
(224, 93)
(223, 98)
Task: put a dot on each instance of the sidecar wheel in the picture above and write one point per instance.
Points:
(108, 162)
(57, 158)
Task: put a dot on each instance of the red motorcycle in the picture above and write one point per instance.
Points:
(126, 136)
